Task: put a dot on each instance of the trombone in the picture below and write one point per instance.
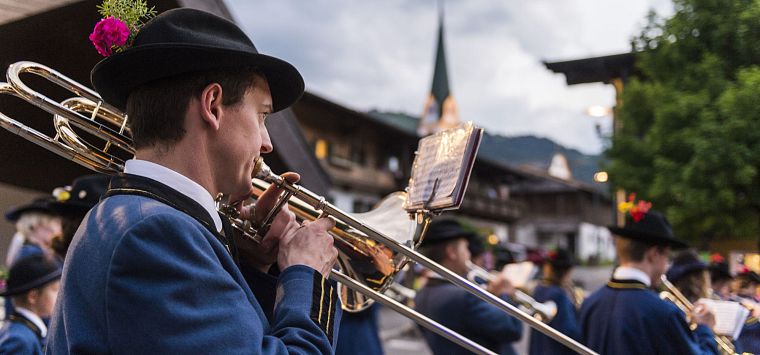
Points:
(371, 256)
(672, 294)
(543, 311)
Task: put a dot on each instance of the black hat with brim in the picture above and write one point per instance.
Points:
(561, 258)
(29, 273)
(685, 263)
(84, 194)
(183, 41)
(653, 228)
(41, 205)
(719, 271)
(444, 230)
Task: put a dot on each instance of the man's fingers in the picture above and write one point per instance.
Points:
(269, 197)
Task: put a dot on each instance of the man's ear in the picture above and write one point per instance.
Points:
(211, 105)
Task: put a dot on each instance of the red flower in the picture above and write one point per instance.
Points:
(716, 258)
(109, 33)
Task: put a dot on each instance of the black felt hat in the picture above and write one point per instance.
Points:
(182, 41)
(653, 228)
(719, 271)
(29, 273)
(83, 194)
(685, 263)
(749, 276)
(41, 204)
(443, 230)
(561, 258)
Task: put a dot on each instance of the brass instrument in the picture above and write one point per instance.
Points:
(578, 295)
(370, 257)
(672, 294)
(543, 311)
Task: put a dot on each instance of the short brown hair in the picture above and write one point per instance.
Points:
(631, 250)
(156, 110)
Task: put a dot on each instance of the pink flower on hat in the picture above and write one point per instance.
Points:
(110, 32)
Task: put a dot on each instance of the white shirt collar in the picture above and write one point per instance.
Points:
(176, 181)
(630, 273)
(34, 318)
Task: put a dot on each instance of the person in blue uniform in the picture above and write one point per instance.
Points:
(446, 243)
(745, 286)
(557, 273)
(720, 277)
(690, 275)
(32, 286)
(154, 268)
(626, 316)
(36, 226)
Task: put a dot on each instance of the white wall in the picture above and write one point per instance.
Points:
(595, 240)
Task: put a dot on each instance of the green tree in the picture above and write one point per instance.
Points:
(689, 139)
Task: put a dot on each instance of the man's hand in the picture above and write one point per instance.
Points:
(703, 315)
(499, 285)
(263, 255)
(309, 245)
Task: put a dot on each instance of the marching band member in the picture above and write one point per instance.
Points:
(32, 286)
(745, 287)
(689, 275)
(626, 316)
(720, 277)
(154, 268)
(557, 273)
(446, 243)
(36, 226)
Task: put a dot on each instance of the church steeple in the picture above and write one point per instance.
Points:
(440, 111)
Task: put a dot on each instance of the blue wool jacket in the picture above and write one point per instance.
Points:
(144, 277)
(18, 338)
(566, 321)
(360, 333)
(626, 317)
(467, 315)
(749, 338)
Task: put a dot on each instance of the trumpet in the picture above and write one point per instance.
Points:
(368, 258)
(672, 294)
(543, 311)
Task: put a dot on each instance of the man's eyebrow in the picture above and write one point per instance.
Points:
(268, 108)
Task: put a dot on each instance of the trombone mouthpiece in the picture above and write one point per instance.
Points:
(261, 170)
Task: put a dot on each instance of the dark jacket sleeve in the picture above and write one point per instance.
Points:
(168, 292)
(683, 339)
(491, 322)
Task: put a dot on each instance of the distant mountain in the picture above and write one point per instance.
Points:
(515, 151)
(538, 152)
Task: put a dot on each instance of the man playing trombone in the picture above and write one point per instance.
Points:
(626, 316)
(153, 268)
(446, 242)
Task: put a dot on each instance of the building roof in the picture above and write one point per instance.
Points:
(597, 69)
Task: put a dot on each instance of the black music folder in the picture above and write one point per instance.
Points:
(442, 168)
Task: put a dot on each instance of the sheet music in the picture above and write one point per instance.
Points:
(442, 167)
(729, 316)
(519, 274)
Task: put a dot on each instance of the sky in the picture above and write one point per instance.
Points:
(380, 55)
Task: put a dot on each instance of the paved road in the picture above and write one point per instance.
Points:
(401, 337)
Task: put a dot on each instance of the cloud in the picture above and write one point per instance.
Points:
(380, 54)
